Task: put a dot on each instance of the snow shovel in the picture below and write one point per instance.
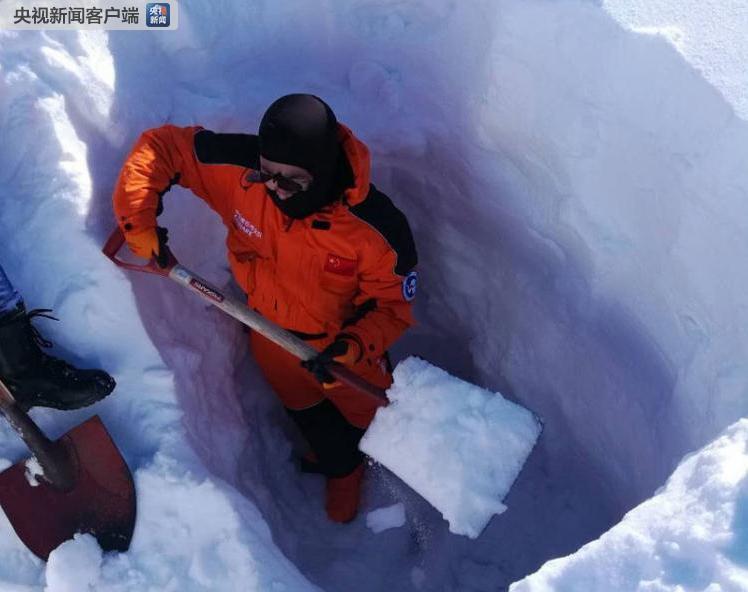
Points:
(85, 486)
(459, 446)
(292, 344)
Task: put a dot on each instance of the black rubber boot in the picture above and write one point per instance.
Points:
(36, 379)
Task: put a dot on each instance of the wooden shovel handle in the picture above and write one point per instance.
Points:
(53, 457)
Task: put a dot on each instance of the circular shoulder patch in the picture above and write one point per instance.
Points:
(409, 286)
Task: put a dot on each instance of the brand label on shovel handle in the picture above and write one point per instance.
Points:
(207, 291)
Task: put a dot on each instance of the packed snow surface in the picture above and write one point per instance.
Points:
(74, 566)
(692, 535)
(575, 178)
(710, 34)
(33, 470)
(461, 447)
(383, 519)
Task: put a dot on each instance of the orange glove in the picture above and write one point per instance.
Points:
(149, 244)
(143, 243)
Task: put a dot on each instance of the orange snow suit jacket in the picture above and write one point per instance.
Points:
(348, 269)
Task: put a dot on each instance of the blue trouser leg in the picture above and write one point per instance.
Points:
(9, 297)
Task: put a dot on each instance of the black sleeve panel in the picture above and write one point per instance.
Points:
(238, 149)
(378, 211)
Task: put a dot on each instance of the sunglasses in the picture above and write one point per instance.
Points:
(282, 182)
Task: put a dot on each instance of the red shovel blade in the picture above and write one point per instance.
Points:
(101, 503)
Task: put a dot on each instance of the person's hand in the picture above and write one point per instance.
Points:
(149, 243)
(143, 243)
(342, 351)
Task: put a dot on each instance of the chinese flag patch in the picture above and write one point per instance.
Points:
(340, 265)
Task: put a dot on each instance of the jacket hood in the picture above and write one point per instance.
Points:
(358, 157)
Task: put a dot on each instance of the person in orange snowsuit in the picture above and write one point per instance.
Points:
(317, 248)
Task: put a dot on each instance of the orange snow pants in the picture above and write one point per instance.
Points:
(298, 389)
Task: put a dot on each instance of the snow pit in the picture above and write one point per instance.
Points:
(576, 185)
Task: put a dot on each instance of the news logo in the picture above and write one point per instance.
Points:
(157, 14)
(109, 15)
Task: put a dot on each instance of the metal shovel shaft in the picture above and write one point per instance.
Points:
(53, 458)
(241, 313)
(268, 329)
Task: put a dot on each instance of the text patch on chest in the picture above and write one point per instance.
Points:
(241, 223)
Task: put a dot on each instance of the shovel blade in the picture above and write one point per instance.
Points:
(101, 502)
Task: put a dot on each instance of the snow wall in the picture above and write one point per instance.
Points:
(576, 192)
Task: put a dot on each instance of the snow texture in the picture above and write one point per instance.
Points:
(461, 447)
(710, 34)
(692, 535)
(33, 470)
(574, 173)
(193, 531)
(383, 519)
(74, 566)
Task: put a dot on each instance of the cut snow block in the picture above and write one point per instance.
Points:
(459, 446)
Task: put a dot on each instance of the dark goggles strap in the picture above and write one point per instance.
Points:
(283, 182)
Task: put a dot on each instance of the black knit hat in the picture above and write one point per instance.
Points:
(300, 130)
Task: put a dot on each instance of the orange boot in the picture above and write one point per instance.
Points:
(343, 495)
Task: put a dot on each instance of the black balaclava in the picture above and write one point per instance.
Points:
(302, 130)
